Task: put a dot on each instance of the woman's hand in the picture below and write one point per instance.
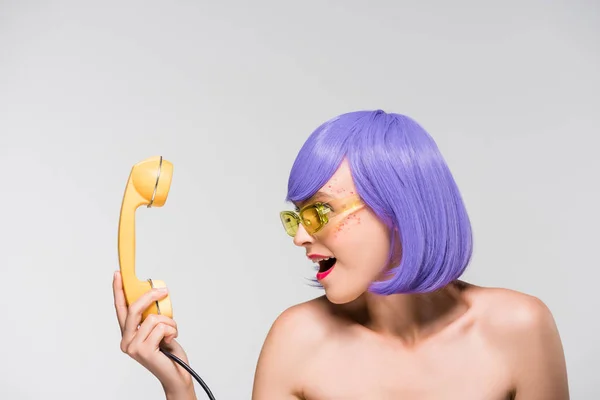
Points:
(141, 342)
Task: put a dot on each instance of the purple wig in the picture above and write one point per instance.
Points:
(402, 177)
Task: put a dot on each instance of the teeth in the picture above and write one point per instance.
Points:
(317, 260)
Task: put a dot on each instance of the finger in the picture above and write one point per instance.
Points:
(159, 333)
(134, 315)
(139, 349)
(150, 323)
(120, 303)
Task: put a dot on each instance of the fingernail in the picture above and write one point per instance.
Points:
(162, 289)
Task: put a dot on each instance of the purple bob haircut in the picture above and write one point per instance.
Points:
(402, 177)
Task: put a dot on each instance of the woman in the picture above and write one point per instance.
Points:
(379, 213)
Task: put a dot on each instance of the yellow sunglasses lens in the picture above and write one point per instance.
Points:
(311, 219)
(290, 222)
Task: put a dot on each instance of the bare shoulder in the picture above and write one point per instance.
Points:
(303, 325)
(509, 312)
(294, 337)
(523, 330)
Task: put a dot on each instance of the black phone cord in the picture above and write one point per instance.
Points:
(191, 371)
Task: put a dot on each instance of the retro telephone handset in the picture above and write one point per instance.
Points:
(148, 184)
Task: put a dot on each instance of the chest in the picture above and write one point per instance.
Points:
(464, 369)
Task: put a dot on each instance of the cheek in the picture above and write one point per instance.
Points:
(358, 233)
(346, 226)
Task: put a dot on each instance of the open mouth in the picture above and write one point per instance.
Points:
(326, 265)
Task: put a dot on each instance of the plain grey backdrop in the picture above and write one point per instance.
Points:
(228, 92)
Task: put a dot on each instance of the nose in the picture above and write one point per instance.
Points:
(302, 237)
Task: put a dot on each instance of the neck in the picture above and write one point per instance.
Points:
(410, 317)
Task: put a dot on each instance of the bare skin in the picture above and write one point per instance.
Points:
(460, 342)
(490, 344)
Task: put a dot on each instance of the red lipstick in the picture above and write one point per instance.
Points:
(313, 256)
(323, 275)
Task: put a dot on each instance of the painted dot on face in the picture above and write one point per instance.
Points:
(346, 224)
(353, 219)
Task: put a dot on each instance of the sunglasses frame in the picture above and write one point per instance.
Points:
(322, 209)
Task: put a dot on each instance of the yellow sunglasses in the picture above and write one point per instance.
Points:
(316, 215)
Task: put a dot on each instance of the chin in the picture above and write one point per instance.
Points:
(342, 296)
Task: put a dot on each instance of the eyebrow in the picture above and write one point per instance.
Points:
(320, 196)
(317, 196)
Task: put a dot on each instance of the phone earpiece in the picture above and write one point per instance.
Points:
(148, 184)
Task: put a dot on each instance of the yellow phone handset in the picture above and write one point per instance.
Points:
(148, 184)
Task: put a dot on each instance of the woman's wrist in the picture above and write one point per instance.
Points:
(181, 393)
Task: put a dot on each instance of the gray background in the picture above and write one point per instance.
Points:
(228, 92)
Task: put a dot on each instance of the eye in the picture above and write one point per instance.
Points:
(327, 205)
